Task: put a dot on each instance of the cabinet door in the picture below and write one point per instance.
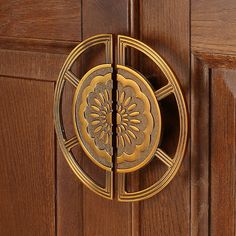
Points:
(213, 117)
(39, 193)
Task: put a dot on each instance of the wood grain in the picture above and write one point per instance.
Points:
(39, 198)
(69, 199)
(213, 26)
(37, 45)
(223, 163)
(215, 60)
(101, 17)
(165, 27)
(213, 144)
(200, 145)
(53, 19)
(69, 188)
(30, 65)
(27, 196)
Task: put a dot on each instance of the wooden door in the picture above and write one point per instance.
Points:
(39, 194)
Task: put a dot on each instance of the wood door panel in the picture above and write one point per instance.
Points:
(213, 144)
(69, 199)
(200, 145)
(27, 196)
(223, 133)
(167, 213)
(104, 217)
(37, 45)
(136, 220)
(101, 17)
(31, 65)
(39, 194)
(213, 26)
(57, 20)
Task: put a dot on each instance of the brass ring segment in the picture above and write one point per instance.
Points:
(172, 87)
(139, 123)
(92, 112)
(67, 143)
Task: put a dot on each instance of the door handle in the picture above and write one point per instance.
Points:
(117, 118)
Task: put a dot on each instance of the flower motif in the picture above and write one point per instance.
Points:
(138, 125)
(134, 122)
(99, 116)
(131, 121)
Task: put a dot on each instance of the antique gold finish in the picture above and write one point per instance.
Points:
(92, 111)
(137, 115)
(173, 163)
(66, 144)
(138, 133)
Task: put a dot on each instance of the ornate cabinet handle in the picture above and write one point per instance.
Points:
(116, 108)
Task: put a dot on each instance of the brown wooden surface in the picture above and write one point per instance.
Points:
(27, 196)
(69, 200)
(56, 20)
(31, 65)
(103, 217)
(200, 159)
(39, 194)
(223, 162)
(170, 209)
(213, 135)
(213, 26)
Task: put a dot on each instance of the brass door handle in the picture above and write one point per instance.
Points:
(116, 108)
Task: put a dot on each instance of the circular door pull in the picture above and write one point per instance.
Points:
(116, 108)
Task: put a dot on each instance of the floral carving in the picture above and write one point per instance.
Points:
(131, 122)
(134, 123)
(98, 114)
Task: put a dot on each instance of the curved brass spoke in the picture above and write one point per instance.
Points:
(171, 88)
(66, 144)
(164, 91)
(164, 158)
(72, 78)
(70, 143)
